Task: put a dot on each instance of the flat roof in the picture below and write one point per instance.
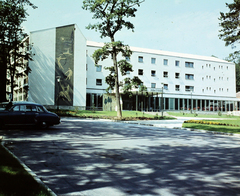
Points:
(165, 53)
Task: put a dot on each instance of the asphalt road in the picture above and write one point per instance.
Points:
(94, 158)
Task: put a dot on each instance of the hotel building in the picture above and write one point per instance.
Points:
(64, 74)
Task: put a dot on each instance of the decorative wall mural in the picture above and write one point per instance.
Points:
(64, 65)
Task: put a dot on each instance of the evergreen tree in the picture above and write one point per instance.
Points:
(230, 32)
(112, 15)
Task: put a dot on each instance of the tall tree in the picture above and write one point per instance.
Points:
(230, 32)
(12, 15)
(112, 15)
(235, 58)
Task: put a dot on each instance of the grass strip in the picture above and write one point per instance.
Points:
(217, 128)
(200, 115)
(15, 180)
(127, 115)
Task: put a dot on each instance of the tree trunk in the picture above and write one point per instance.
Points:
(119, 109)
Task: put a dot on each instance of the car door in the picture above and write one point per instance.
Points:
(31, 112)
(16, 115)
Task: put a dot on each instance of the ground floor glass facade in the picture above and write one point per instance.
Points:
(157, 102)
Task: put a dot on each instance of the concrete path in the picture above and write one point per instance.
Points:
(100, 158)
(168, 123)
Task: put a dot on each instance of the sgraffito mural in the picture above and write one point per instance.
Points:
(64, 68)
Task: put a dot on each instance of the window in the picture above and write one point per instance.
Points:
(140, 72)
(28, 108)
(189, 64)
(189, 76)
(153, 60)
(16, 108)
(177, 63)
(177, 87)
(22, 108)
(165, 74)
(189, 88)
(165, 86)
(39, 109)
(99, 82)
(140, 59)
(177, 75)
(153, 73)
(153, 85)
(127, 58)
(99, 68)
(165, 62)
(127, 72)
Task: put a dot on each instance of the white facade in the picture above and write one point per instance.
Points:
(42, 79)
(178, 81)
(182, 77)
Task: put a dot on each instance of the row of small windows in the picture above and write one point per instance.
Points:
(165, 74)
(209, 89)
(153, 73)
(177, 87)
(209, 66)
(165, 62)
(209, 77)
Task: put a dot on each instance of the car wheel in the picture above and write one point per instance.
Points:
(44, 125)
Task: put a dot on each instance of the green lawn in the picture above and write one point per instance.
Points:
(127, 115)
(230, 121)
(15, 180)
(217, 128)
(199, 115)
(113, 113)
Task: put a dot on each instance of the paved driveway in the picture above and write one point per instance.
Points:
(85, 157)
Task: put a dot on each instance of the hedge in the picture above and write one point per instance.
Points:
(209, 123)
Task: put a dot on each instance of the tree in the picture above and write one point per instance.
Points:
(112, 15)
(230, 32)
(12, 15)
(235, 58)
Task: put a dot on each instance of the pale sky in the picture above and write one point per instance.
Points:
(184, 26)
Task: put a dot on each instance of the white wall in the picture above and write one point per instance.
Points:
(42, 77)
(79, 91)
(213, 78)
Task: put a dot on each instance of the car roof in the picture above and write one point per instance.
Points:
(25, 103)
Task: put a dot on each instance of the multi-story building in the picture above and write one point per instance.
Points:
(20, 90)
(64, 74)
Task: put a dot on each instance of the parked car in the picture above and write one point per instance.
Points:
(27, 113)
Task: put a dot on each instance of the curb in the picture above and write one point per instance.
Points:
(35, 177)
(187, 129)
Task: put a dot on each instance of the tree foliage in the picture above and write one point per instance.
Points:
(112, 16)
(235, 58)
(230, 32)
(12, 15)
